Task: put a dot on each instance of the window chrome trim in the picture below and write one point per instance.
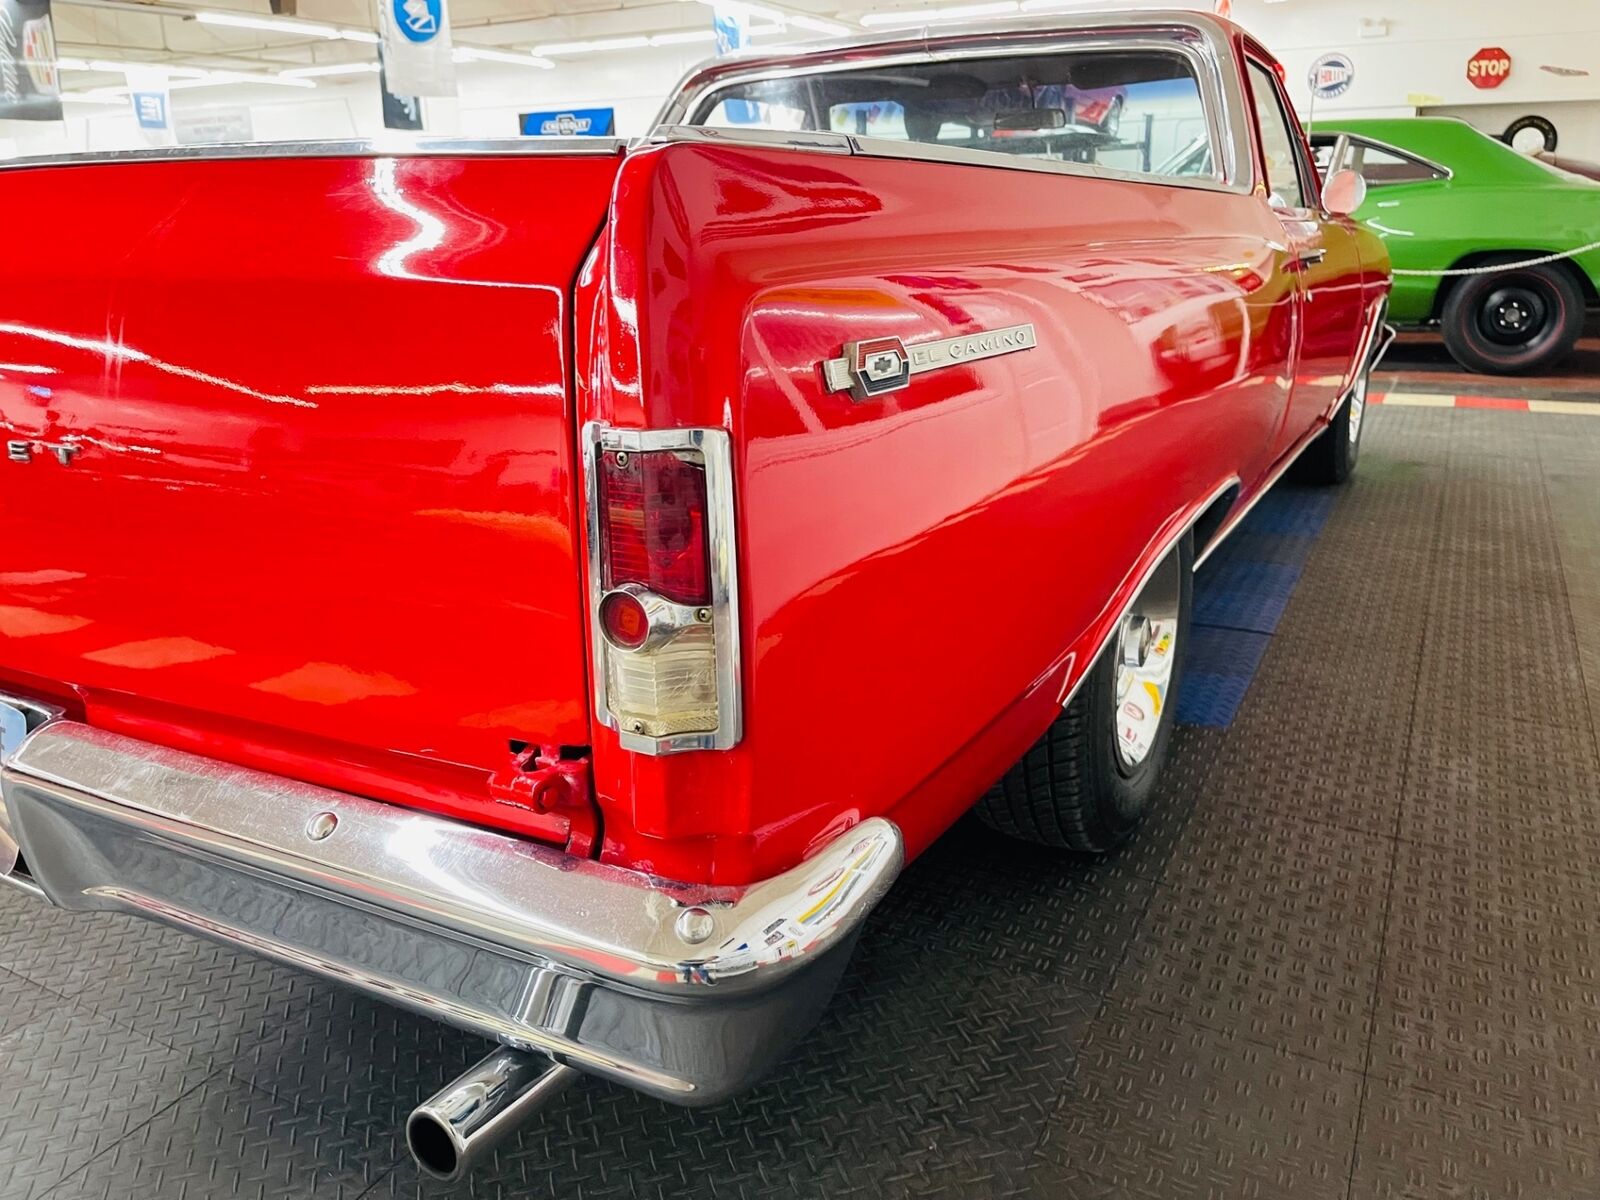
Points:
(398, 147)
(1205, 42)
(716, 451)
(827, 143)
(1342, 149)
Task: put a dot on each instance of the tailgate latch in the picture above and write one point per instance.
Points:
(553, 781)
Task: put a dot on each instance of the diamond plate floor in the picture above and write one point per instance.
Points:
(1356, 953)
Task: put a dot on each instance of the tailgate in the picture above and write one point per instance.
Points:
(289, 468)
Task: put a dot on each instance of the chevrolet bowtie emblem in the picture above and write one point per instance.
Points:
(878, 366)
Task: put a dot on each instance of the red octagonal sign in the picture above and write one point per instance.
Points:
(1489, 67)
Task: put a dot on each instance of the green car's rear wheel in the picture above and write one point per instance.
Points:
(1513, 322)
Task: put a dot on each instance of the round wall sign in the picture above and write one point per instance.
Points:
(419, 20)
(1489, 67)
(1530, 135)
(1331, 76)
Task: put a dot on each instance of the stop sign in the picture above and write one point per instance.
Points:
(1489, 67)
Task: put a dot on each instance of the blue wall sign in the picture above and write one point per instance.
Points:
(570, 122)
(151, 109)
(1331, 76)
(419, 20)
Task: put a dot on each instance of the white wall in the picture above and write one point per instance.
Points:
(1422, 62)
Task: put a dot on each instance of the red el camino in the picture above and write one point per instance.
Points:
(553, 585)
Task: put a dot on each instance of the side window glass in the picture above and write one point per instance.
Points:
(1322, 148)
(1379, 166)
(1277, 140)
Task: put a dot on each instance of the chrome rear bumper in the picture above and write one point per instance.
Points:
(688, 993)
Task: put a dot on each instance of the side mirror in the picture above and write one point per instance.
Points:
(1344, 192)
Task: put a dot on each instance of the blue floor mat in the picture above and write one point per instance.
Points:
(1244, 595)
(1218, 667)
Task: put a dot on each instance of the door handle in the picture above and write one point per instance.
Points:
(1310, 258)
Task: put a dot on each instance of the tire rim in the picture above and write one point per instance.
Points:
(1358, 404)
(1513, 314)
(1146, 650)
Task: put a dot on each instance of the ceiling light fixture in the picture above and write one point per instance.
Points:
(268, 24)
(597, 46)
(780, 16)
(815, 24)
(684, 37)
(214, 78)
(332, 33)
(327, 69)
(474, 54)
(924, 16)
(117, 67)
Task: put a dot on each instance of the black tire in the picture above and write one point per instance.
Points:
(1072, 789)
(1513, 322)
(1331, 459)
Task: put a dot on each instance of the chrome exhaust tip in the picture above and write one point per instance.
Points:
(453, 1130)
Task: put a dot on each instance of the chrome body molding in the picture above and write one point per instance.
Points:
(588, 963)
(395, 147)
(1204, 40)
(716, 452)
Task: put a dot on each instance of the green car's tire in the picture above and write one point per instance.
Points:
(1513, 322)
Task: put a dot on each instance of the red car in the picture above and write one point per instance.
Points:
(553, 586)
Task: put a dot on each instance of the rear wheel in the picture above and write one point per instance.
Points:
(1087, 783)
(1332, 457)
(1513, 322)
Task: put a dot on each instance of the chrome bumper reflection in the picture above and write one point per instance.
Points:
(685, 992)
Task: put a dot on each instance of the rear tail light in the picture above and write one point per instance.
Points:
(663, 587)
(653, 523)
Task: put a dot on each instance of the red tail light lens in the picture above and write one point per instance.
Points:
(653, 523)
(624, 620)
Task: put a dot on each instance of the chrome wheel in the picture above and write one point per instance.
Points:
(1146, 649)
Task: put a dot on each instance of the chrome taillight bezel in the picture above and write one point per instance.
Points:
(715, 451)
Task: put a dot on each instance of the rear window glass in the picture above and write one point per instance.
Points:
(1134, 110)
(1379, 166)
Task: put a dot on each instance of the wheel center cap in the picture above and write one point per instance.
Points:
(1138, 635)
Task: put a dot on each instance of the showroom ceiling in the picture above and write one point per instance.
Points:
(231, 36)
(218, 42)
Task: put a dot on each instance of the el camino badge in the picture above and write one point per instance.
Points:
(878, 366)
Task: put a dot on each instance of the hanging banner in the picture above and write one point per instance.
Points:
(152, 103)
(570, 122)
(30, 89)
(416, 47)
(399, 112)
(732, 26)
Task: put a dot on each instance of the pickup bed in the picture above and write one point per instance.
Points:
(555, 585)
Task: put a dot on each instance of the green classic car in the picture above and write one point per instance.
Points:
(1445, 197)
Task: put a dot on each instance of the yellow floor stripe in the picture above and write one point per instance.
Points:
(1419, 400)
(1587, 407)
